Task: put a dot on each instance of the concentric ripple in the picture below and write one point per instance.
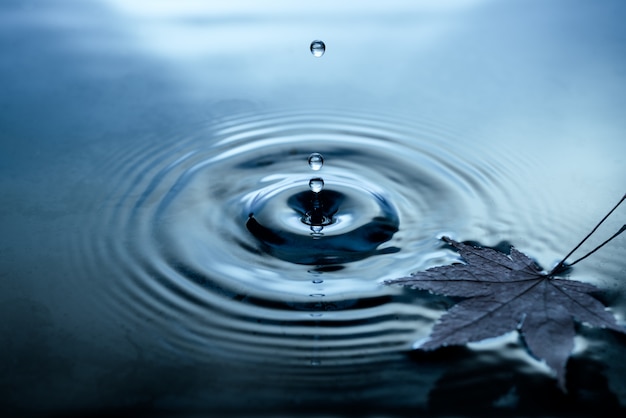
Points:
(208, 238)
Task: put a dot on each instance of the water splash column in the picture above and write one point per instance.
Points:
(315, 217)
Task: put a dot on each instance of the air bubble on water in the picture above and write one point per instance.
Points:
(318, 48)
(316, 161)
(316, 185)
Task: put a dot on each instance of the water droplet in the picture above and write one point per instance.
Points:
(316, 185)
(316, 161)
(317, 281)
(318, 48)
(317, 295)
(316, 314)
(316, 230)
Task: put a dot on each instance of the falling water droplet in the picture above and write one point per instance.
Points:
(316, 185)
(316, 161)
(318, 48)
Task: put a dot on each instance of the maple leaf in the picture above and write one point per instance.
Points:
(506, 292)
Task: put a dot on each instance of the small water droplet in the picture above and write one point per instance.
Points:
(316, 314)
(316, 185)
(317, 295)
(316, 230)
(316, 161)
(318, 48)
(317, 281)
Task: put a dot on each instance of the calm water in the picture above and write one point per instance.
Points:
(159, 248)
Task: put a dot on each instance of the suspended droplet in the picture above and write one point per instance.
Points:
(316, 161)
(316, 185)
(317, 281)
(318, 48)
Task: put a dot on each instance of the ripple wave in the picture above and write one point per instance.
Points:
(177, 239)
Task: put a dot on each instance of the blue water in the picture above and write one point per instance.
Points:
(154, 260)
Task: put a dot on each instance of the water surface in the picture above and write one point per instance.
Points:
(155, 180)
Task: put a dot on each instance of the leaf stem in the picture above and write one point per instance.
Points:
(562, 262)
(622, 229)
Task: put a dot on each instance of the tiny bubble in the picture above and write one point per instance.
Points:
(316, 161)
(318, 48)
(317, 281)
